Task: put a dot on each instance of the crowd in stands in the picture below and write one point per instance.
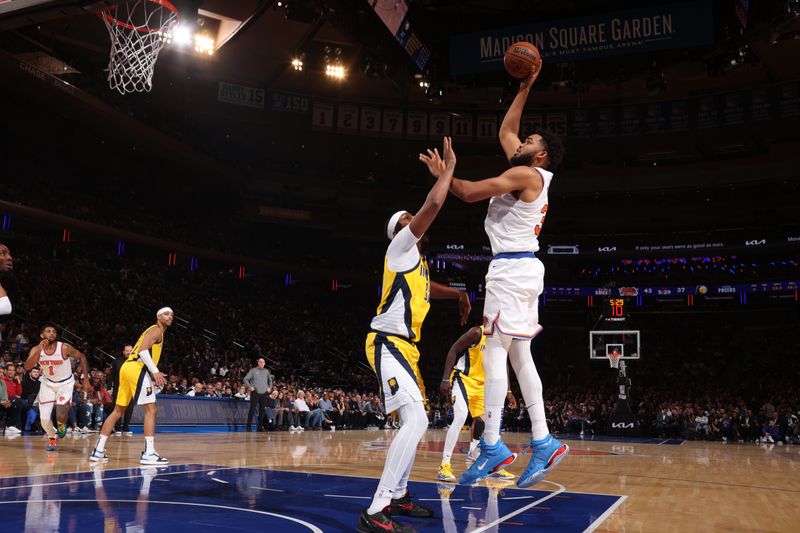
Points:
(721, 377)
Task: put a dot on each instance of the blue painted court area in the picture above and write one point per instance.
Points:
(196, 497)
(629, 440)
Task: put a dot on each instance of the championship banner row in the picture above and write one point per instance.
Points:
(705, 112)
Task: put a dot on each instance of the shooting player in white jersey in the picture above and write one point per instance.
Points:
(517, 209)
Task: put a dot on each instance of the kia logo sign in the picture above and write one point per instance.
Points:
(607, 249)
(755, 242)
(455, 246)
(622, 425)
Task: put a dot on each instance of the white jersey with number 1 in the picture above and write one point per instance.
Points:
(514, 283)
(55, 367)
(57, 379)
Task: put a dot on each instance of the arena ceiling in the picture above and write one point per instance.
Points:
(261, 37)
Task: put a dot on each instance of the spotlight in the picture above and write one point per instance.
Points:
(203, 44)
(297, 63)
(181, 35)
(335, 71)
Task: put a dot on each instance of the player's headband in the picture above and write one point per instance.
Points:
(164, 310)
(393, 223)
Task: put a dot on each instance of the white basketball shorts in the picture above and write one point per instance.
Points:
(55, 392)
(513, 287)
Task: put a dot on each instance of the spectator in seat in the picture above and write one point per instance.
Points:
(15, 409)
(302, 409)
(30, 390)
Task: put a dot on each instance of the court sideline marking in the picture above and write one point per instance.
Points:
(312, 527)
(561, 488)
(594, 525)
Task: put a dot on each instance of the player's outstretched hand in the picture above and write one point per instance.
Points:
(449, 154)
(444, 388)
(464, 307)
(434, 162)
(526, 83)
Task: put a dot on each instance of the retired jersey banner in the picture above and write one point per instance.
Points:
(622, 32)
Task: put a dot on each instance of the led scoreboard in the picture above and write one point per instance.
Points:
(615, 310)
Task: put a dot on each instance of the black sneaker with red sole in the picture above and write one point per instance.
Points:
(406, 507)
(381, 522)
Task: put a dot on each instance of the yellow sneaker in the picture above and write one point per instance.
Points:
(445, 473)
(503, 474)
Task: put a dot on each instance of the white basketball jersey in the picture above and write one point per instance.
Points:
(54, 366)
(513, 225)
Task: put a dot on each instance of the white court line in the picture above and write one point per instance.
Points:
(473, 509)
(312, 527)
(211, 472)
(594, 525)
(663, 441)
(441, 499)
(265, 488)
(346, 496)
(219, 480)
(518, 498)
(561, 488)
(104, 479)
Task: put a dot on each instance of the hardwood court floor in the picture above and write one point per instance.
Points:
(695, 486)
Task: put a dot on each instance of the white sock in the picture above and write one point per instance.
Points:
(494, 364)
(460, 411)
(101, 444)
(149, 445)
(45, 415)
(530, 384)
(400, 456)
(474, 444)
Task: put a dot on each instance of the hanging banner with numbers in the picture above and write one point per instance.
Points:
(417, 126)
(462, 127)
(392, 126)
(529, 125)
(322, 117)
(440, 125)
(557, 123)
(347, 119)
(486, 130)
(370, 121)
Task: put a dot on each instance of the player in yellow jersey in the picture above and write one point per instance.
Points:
(462, 380)
(139, 382)
(392, 351)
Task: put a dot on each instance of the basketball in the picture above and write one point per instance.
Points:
(520, 57)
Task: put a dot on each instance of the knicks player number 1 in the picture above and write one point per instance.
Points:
(538, 227)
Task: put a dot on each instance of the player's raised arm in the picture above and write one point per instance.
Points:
(509, 129)
(69, 351)
(514, 179)
(33, 357)
(470, 338)
(438, 194)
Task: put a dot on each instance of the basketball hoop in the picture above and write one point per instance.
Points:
(613, 359)
(138, 31)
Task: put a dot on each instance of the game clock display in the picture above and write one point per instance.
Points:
(614, 310)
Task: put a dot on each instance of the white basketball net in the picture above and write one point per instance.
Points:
(138, 31)
(613, 359)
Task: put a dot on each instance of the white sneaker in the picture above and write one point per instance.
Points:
(11, 430)
(300, 428)
(98, 457)
(84, 429)
(128, 433)
(117, 433)
(152, 459)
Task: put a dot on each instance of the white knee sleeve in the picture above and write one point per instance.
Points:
(530, 384)
(495, 355)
